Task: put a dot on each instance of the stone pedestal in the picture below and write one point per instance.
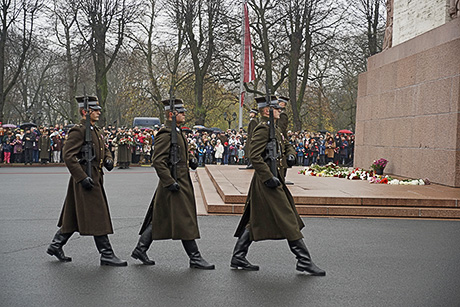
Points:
(412, 18)
(408, 107)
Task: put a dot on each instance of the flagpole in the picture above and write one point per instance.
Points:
(240, 122)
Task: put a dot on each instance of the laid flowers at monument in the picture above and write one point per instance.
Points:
(359, 174)
(328, 170)
(379, 165)
(333, 170)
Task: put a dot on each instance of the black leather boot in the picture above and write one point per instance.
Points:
(196, 261)
(240, 251)
(140, 252)
(55, 248)
(107, 255)
(304, 262)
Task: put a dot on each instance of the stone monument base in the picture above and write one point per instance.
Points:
(408, 107)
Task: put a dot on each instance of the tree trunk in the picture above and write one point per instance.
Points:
(71, 87)
(200, 114)
(294, 63)
(2, 66)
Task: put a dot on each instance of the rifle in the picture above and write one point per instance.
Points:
(272, 152)
(87, 148)
(174, 149)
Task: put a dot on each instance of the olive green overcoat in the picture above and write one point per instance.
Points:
(84, 211)
(44, 146)
(253, 122)
(174, 213)
(269, 213)
(283, 123)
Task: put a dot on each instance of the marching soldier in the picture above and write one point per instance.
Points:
(283, 123)
(253, 122)
(173, 205)
(85, 208)
(270, 213)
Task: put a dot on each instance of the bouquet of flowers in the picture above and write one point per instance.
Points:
(126, 140)
(379, 179)
(358, 174)
(379, 164)
(329, 170)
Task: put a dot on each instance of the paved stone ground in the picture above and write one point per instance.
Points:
(369, 262)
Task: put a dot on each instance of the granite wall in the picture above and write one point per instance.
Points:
(408, 107)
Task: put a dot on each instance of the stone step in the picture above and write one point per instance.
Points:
(224, 190)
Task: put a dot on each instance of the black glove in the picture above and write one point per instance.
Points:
(108, 165)
(290, 160)
(173, 187)
(272, 183)
(193, 163)
(87, 183)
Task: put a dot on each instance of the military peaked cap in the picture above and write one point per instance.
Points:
(93, 102)
(273, 102)
(178, 105)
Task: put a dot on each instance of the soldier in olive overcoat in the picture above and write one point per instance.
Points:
(270, 211)
(283, 123)
(172, 212)
(44, 146)
(253, 122)
(85, 208)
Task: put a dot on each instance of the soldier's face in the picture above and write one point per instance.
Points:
(94, 115)
(180, 118)
(276, 112)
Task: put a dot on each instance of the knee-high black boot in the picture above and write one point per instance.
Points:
(304, 262)
(240, 251)
(55, 248)
(140, 252)
(107, 255)
(196, 261)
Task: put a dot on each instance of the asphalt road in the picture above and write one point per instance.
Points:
(369, 262)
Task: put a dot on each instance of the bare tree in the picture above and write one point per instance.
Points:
(373, 13)
(31, 81)
(167, 56)
(269, 44)
(17, 17)
(202, 20)
(144, 41)
(64, 28)
(309, 25)
(103, 25)
(350, 60)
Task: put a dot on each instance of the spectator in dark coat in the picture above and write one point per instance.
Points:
(28, 140)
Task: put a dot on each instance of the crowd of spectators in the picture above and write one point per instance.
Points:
(44, 145)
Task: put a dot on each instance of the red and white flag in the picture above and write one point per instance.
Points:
(249, 71)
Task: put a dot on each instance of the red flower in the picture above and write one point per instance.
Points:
(384, 181)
